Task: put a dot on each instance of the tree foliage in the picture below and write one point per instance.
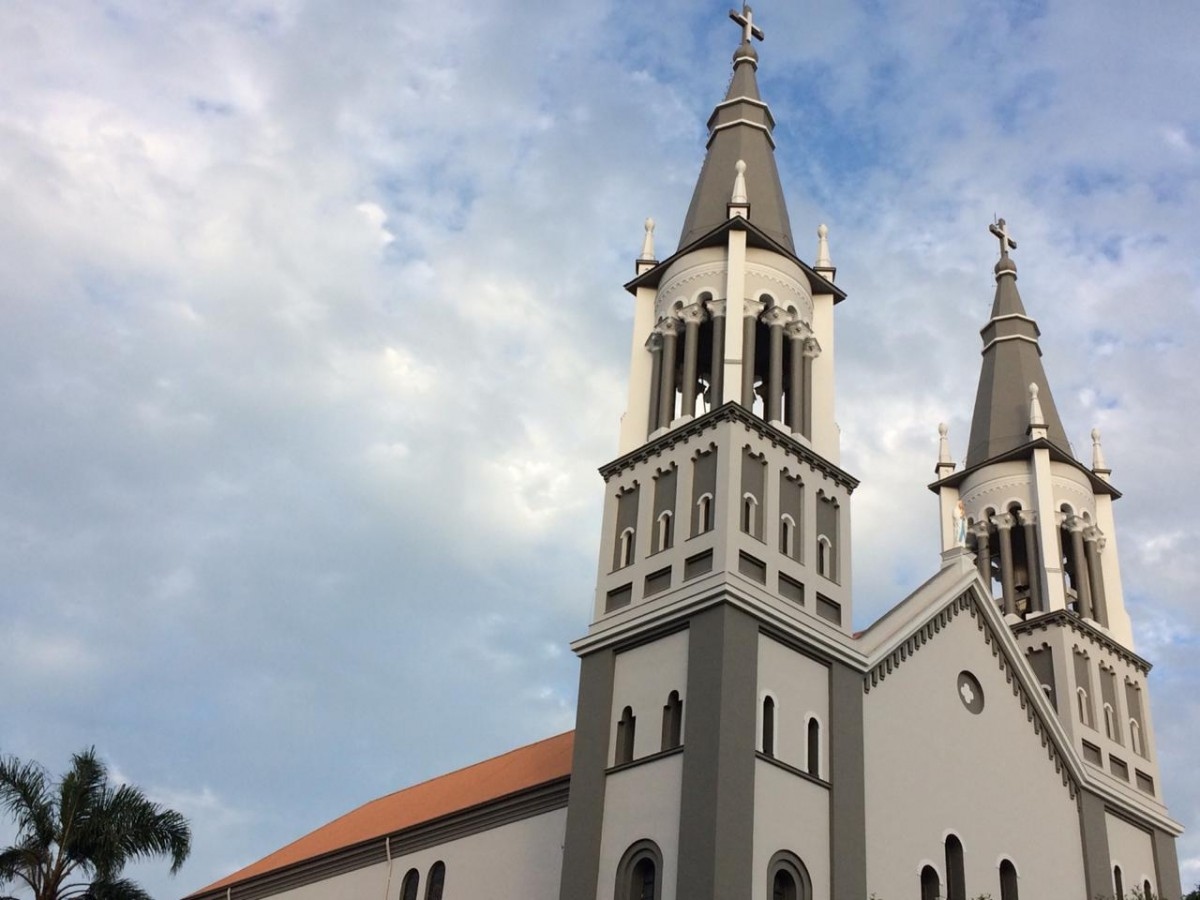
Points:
(76, 835)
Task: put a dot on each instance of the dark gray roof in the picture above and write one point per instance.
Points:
(1012, 360)
(740, 128)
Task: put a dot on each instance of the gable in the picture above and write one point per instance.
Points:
(954, 743)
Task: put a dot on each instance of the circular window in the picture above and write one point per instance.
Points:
(970, 693)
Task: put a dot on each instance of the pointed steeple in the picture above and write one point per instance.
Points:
(740, 128)
(1012, 362)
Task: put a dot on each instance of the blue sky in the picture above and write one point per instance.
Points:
(312, 338)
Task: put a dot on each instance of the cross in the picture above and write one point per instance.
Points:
(1000, 230)
(745, 18)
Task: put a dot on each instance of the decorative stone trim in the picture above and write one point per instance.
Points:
(1086, 630)
(729, 412)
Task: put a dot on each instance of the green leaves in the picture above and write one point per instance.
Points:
(75, 837)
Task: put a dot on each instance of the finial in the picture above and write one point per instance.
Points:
(1099, 466)
(1000, 229)
(823, 260)
(746, 19)
(1037, 421)
(945, 461)
(648, 243)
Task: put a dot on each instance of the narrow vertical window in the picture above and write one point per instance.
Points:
(768, 726)
(783, 886)
(437, 881)
(824, 557)
(704, 517)
(1008, 881)
(787, 535)
(1085, 707)
(638, 873)
(625, 734)
(1147, 889)
(625, 555)
(1109, 722)
(1118, 883)
(664, 530)
(814, 747)
(956, 877)
(644, 878)
(672, 731)
(410, 885)
(931, 885)
(750, 514)
(1135, 737)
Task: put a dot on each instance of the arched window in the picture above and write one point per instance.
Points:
(1118, 883)
(639, 874)
(768, 726)
(824, 556)
(749, 514)
(437, 881)
(626, 554)
(787, 535)
(410, 885)
(1135, 737)
(1085, 707)
(814, 747)
(1147, 889)
(931, 885)
(1008, 881)
(625, 732)
(665, 528)
(672, 730)
(1110, 721)
(704, 513)
(956, 876)
(787, 878)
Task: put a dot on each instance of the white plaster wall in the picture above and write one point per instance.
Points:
(640, 803)
(826, 436)
(1131, 848)
(789, 814)
(519, 860)
(644, 678)
(933, 767)
(800, 686)
(688, 277)
(369, 883)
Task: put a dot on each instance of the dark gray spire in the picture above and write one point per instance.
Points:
(1012, 361)
(740, 128)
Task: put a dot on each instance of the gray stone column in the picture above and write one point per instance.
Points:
(750, 311)
(775, 319)
(796, 333)
(1093, 543)
(654, 345)
(811, 351)
(666, 392)
(1004, 526)
(1029, 525)
(692, 316)
(1079, 567)
(983, 553)
(716, 388)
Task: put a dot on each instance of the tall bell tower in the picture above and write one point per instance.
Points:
(717, 708)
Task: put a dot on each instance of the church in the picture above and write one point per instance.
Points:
(735, 738)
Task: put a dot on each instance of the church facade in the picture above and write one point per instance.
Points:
(735, 738)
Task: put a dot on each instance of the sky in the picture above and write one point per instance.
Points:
(312, 338)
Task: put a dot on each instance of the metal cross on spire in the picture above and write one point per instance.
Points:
(1000, 230)
(745, 18)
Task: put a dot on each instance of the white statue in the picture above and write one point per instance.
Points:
(960, 524)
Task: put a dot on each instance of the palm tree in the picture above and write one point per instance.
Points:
(75, 836)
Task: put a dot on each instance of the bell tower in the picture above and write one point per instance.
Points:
(1041, 526)
(716, 684)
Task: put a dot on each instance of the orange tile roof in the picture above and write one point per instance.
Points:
(517, 770)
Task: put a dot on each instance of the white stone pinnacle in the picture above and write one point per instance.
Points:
(823, 260)
(739, 183)
(648, 242)
(1099, 466)
(1037, 421)
(944, 458)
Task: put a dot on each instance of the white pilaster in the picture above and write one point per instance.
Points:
(1053, 590)
(1118, 618)
(826, 438)
(637, 409)
(735, 298)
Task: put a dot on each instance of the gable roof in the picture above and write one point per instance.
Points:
(513, 772)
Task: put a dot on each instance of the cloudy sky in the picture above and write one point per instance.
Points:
(312, 337)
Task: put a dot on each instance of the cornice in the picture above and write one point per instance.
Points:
(730, 412)
(1081, 626)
